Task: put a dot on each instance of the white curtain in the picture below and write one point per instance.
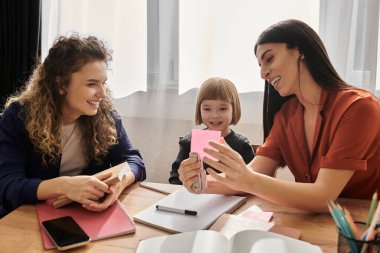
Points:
(177, 44)
(122, 24)
(378, 59)
(217, 37)
(350, 31)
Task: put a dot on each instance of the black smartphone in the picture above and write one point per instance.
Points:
(65, 233)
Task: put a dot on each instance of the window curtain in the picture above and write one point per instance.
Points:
(20, 36)
(217, 37)
(122, 24)
(187, 42)
(350, 31)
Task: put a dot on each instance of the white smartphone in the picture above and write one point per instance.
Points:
(65, 233)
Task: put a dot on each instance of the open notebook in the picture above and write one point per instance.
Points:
(208, 207)
(247, 241)
(113, 221)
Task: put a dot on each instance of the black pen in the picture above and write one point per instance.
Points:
(175, 210)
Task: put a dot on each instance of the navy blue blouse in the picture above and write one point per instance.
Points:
(22, 170)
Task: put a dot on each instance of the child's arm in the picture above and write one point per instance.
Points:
(264, 165)
(247, 152)
(183, 154)
(174, 176)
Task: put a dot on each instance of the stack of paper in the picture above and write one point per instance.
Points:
(208, 207)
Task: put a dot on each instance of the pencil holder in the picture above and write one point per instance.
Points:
(352, 245)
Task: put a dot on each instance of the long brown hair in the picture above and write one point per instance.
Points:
(297, 34)
(42, 102)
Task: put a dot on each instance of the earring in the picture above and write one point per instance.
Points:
(302, 56)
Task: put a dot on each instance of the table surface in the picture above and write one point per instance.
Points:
(20, 232)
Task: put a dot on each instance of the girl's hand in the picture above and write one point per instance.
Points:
(86, 189)
(188, 173)
(236, 174)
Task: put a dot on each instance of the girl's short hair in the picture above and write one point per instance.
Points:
(217, 88)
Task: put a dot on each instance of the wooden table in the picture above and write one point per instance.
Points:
(20, 232)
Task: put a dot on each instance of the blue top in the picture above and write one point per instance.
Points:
(22, 169)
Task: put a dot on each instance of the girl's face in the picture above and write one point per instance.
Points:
(85, 91)
(217, 115)
(279, 66)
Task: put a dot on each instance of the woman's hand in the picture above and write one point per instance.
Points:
(114, 192)
(188, 173)
(86, 189)
(236, 174)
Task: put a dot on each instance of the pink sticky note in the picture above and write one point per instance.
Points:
(258, 215)
(200, 139)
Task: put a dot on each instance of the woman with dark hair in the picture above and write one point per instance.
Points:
(326, 131)
(62, 127)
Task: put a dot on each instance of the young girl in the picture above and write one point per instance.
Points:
(217, 107)
(61, 128)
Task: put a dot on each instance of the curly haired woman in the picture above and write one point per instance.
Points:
(62, 128)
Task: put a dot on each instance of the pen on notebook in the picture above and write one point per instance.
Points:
(175, 210)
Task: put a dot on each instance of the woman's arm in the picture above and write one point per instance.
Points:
(189, 170)
(259, 164)
(123, 151)
(306, 196)
(183, 153)
(15, 187)
(264, 165)
(82, 189)
(114, 193)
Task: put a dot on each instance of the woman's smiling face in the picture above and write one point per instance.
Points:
(279, 66)
(85, 91)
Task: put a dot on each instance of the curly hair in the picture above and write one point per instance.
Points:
(43, 102)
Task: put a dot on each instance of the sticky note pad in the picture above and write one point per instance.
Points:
(200, 139)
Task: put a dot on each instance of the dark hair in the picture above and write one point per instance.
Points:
(297, 34)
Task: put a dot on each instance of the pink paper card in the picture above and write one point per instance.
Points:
(200, 139)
